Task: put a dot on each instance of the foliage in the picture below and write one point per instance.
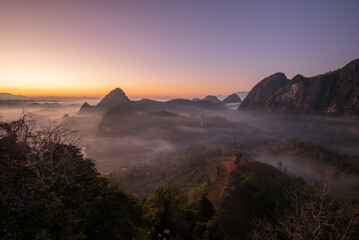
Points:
(314, 214)
(49, 191)
(193, 169)
(168, 215)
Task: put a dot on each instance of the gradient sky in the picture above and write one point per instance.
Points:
(169, 48)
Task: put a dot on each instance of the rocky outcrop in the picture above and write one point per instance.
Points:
(264, 90)
(335, 92)
(114, 98)
(86, 107)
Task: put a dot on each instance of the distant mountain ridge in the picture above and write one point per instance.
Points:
(233, 98)
(9, 96)
(335, 92)
(117, 100)
(241, 94)
(212, 98)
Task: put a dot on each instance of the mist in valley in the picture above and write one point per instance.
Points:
(118, 139)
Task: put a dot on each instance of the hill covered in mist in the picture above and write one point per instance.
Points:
(335, 92)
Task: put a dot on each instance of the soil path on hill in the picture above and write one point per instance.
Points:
(216, 192)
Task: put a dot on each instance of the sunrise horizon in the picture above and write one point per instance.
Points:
(99, 93)
(177, 49)
(134, 91)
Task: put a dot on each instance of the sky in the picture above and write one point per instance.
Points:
(169, 48)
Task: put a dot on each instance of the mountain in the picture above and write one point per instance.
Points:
(244, 190)
(118, 102)
(114, 98)
(264, 90)
(85, 107)
(335, 92)
(9, 96)
(233, 98)
(241, 94)
(211, 98)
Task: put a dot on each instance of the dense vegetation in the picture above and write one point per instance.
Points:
(169, 216)
(312, 214)
(48, 190)
(193, 169)
(254, 190)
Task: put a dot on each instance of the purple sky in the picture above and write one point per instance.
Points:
(177, 48)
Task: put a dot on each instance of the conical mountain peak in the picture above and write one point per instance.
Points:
(114, 98)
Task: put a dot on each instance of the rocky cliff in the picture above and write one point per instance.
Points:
(335, 92)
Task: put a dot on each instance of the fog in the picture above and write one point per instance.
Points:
(312, 171)
(119, 140)
(44, 111)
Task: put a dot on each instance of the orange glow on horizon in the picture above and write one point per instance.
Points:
(39, 80)
(148, 49)
(38, 61)
(131, 92)
(58, 80)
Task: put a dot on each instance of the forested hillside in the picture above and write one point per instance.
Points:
(49, 190)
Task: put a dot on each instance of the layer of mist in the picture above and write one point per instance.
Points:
(119, 140)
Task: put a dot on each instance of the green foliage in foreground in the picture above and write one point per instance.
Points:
(170, 216)
(193, 169)
(48, 190)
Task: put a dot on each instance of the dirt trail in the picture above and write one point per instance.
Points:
(216, 192)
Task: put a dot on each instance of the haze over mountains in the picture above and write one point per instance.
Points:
(233, 98)
(192, 144)
(9, 96)
(335, 92)
(238, 162)
(117, 98)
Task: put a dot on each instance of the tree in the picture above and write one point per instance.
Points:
(168, 215)
(48, 190)
(314, 215)
(166, 210)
